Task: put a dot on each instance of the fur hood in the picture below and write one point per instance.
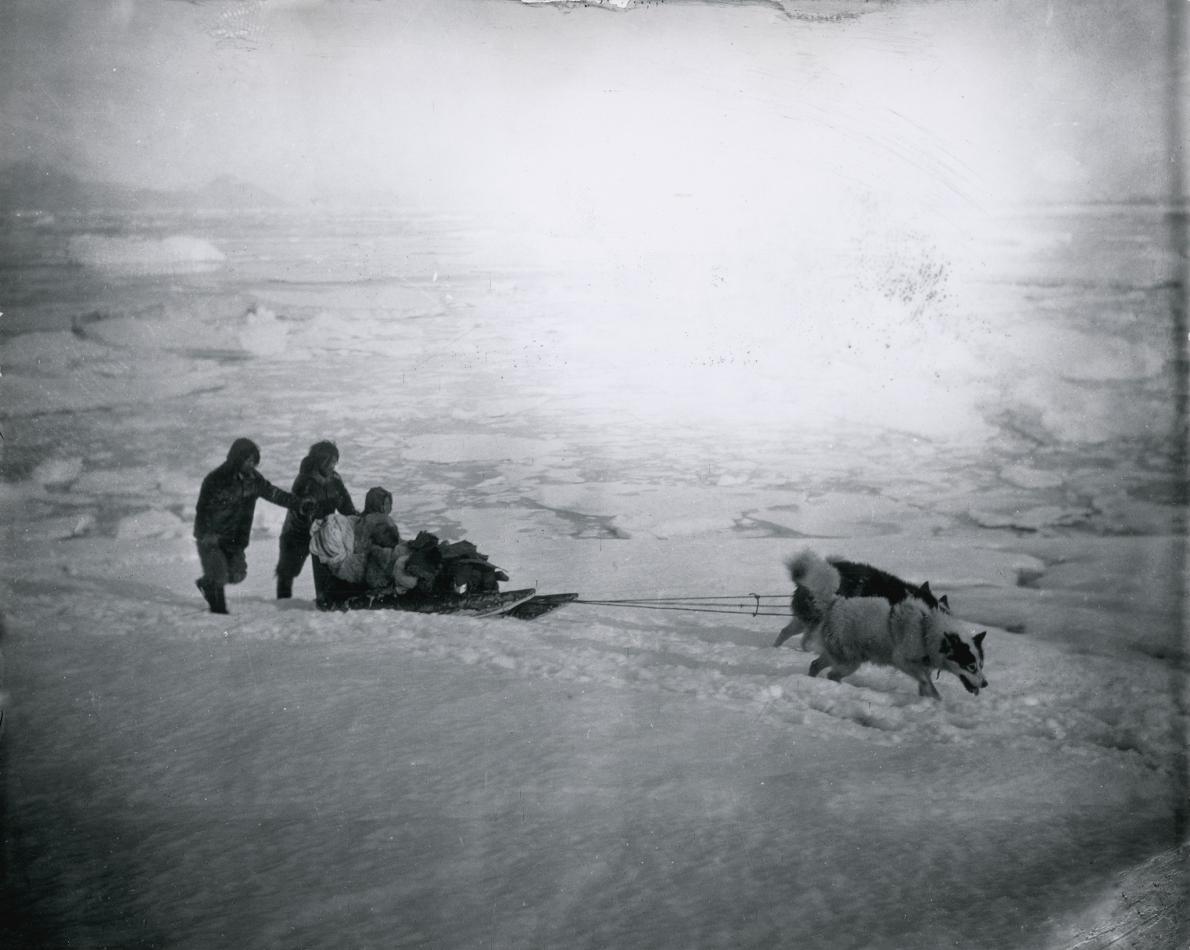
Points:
(241, 450)
(317, 454)
(375, 499)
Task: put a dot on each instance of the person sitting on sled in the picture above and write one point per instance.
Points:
(223, 519)
(365, 554)
(378, 539)
(354, 554)
(317, 479)
(381, 561)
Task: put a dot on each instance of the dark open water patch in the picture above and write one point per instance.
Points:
(225, 357)
(753, 527)
(1166, 491)
(585, 526)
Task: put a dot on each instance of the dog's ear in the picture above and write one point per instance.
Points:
(978, 638)
(943, 602)
(925, 588)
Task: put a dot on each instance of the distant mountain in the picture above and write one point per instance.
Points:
(26, 186)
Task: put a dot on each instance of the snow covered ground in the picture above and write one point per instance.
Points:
(602, 776)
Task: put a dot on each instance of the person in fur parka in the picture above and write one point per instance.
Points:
(318, 481)
(369, 562)
(223, 519)
(379, 539)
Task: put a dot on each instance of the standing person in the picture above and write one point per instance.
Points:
(318, 481)
(223, 519)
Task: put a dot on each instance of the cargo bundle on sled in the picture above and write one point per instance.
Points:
(355, 569)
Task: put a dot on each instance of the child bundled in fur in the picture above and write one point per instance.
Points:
(378, 542)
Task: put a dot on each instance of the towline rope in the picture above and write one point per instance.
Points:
(750, 604)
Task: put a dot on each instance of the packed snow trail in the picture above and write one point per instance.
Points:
(283, 776)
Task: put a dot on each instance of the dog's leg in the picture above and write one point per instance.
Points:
(838, 671)
(926, 688)
(820, 663)
(791, 629)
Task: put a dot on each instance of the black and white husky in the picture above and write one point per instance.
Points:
(855, 580)
(909, 634)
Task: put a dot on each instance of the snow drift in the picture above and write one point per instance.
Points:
(176, 254)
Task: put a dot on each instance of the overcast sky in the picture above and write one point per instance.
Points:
(493, 103)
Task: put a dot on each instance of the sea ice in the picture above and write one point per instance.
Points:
(136, 255)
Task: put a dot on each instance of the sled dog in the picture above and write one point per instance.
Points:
(856, 580)
(909, 635)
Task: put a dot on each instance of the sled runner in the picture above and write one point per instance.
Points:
(540, 604)
(524, 604)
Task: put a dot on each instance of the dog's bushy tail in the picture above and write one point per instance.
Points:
(815, 576)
